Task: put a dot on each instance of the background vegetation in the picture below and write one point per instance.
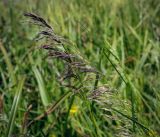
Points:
(120, 38)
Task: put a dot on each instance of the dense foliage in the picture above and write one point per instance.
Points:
(79, 68)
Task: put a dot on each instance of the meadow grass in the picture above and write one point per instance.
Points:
(112, 47)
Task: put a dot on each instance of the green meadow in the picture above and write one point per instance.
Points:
(79, 68)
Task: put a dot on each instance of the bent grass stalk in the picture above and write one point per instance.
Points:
(51, 109)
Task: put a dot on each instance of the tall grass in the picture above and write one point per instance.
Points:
(119, 39)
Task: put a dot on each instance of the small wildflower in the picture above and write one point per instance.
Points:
(74, 109)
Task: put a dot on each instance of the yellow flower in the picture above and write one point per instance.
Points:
(74, 109)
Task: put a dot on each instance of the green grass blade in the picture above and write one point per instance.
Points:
(8, 63)
(115, 68)
(15, 107)
(135, 34)
(43, 92)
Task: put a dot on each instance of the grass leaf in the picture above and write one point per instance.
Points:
(41, 86)
(15, 106)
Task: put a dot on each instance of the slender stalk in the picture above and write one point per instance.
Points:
(130, 118)
(127, 84)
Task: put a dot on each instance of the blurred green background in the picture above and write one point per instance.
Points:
(128, 29)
